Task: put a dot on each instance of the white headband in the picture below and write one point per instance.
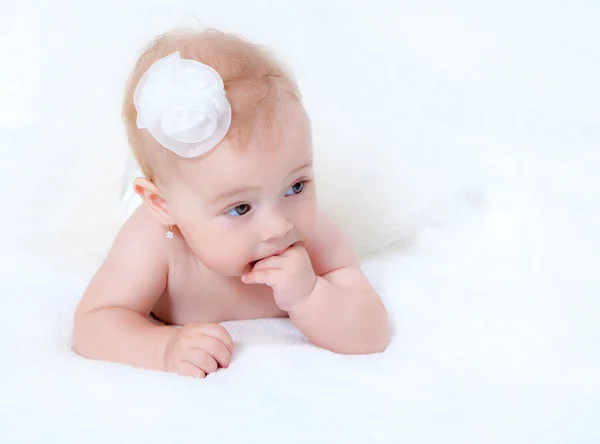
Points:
(183, 106)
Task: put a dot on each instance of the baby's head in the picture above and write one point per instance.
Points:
(246, 190)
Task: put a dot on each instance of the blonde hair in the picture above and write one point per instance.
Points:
(254, 83)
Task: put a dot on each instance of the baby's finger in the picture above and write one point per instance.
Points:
(188, 369)
(220, 333)
(202, 360)
(216, 349)
(298, 247)
(277, 262)
(268, 277)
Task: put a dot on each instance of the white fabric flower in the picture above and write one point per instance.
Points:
(182, 104)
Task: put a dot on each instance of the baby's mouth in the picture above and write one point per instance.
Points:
(277, 253)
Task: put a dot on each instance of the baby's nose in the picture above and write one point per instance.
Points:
(276, 226)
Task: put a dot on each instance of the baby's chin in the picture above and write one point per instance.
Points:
(235, 273)
(226, 270)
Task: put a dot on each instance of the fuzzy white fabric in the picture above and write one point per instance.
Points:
(467, 134)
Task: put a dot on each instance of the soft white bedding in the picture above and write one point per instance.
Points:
(467, 134)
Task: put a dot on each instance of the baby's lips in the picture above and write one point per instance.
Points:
(283, 250)
(276, 253)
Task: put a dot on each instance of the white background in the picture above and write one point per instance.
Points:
(466, 132)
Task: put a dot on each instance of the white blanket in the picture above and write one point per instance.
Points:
(495, 340)
(467, 134)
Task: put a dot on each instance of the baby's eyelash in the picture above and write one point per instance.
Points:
(243, 208)
(240, 210)
(305, 181)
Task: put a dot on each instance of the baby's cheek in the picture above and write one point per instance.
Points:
(307, 221)
(228, 253)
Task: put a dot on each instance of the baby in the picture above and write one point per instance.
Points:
(230, 227)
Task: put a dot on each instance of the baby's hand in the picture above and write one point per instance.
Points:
(290, 275)
(198, 349)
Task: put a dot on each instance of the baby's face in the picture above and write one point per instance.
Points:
(235, 207)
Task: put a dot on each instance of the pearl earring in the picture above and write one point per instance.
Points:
(169, 232)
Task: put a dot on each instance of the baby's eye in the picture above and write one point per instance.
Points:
(239, 210)
(295, 189)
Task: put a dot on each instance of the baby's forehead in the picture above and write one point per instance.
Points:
(228, 167)
(255, 166)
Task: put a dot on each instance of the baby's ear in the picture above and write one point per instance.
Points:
(153, 199)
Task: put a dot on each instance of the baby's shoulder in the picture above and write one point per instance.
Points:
(142, 223)
(134, 272)
(141, 235)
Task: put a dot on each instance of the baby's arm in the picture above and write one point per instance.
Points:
(326, 294)
(111, 322)
(343, 313)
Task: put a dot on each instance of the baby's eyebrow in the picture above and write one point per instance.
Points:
(230, 193)
(301, 167)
